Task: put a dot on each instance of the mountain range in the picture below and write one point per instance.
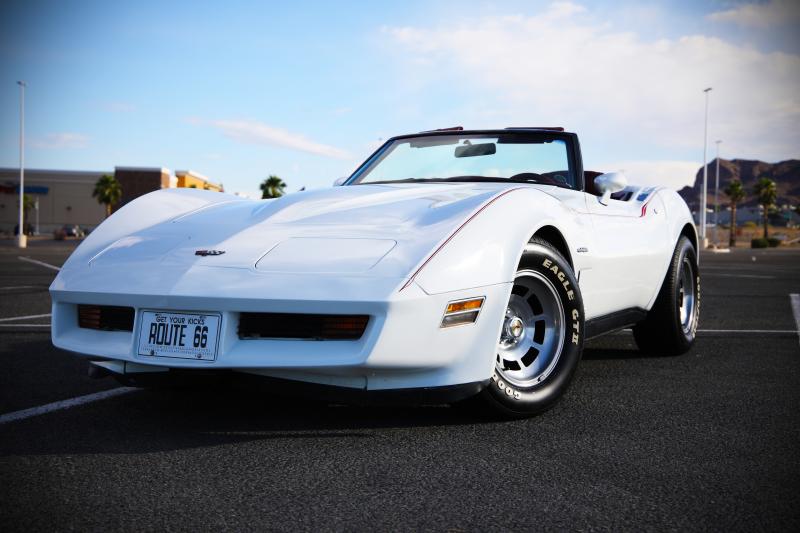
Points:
(786, 175)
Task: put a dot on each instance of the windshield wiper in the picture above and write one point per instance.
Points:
(491, 179)
(465, 179)
(406, 180)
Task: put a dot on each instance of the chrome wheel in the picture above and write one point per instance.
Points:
(687, 295)
(533, 331)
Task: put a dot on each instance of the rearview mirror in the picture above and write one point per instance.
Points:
(339, 181)
(473, 150)
(609, 183)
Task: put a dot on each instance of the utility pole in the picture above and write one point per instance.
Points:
(704, 197)
(716, 199)
(22, 239)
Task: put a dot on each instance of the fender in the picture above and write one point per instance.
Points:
(487, 250)
(678, 219)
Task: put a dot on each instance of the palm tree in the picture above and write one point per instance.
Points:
(767, 193)
(108, 192)
(736, 194)
(272, 187)
(28, 203)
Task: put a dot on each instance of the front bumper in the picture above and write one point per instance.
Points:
(143, 377)
(403, 346)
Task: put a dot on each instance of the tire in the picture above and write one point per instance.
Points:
(541, 340)
(671, 325)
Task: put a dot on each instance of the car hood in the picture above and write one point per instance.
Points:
(368, 230)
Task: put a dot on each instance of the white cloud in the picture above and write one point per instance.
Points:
(559, 10)
(765, 15)
(254, 132)
(61, 140)
(617, 89)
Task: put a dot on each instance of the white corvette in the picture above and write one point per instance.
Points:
(451, 264)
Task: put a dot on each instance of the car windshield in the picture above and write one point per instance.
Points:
(515, 157)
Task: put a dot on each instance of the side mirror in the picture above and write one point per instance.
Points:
(609, 183)
(339, 181)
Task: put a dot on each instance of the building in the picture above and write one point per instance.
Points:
(136, 181)
(195, 180)
(64, 197)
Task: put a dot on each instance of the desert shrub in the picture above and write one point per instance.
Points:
(773, 242)
(759, 243)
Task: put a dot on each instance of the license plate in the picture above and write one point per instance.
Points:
(181, 335)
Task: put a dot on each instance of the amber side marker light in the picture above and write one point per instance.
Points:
(462, 312)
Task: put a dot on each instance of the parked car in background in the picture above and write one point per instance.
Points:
(69, 230)
(28, 229)
(73, 230)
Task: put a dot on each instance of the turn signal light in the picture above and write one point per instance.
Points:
(464, 305)
(462, 312)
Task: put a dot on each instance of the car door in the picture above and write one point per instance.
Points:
(627, 256)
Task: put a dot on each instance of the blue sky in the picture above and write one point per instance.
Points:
(306, 90)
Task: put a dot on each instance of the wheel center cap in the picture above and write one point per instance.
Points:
(515, 328)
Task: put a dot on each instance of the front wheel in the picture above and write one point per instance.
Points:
(541, 339)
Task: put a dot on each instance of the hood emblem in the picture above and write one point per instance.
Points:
(205, 253)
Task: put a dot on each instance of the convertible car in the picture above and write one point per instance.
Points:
(451, 265)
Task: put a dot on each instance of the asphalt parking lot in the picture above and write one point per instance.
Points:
(705, 441)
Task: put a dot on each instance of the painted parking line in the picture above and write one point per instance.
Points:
(17, 326)
(26, 317)
(40, 263)
(747, 331)
(64, 404)
(794, 299)
(15, 287)
(715, 275)
(733, 332)
(757, 267)
(731, 266)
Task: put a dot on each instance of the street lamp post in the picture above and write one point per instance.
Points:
(22, 239)
(704, 199)
(716, 199)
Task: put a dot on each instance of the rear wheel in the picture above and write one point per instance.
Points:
(541, 339)
(671, 325)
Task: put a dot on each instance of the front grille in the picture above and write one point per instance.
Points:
(105, 317)
(301, 326)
